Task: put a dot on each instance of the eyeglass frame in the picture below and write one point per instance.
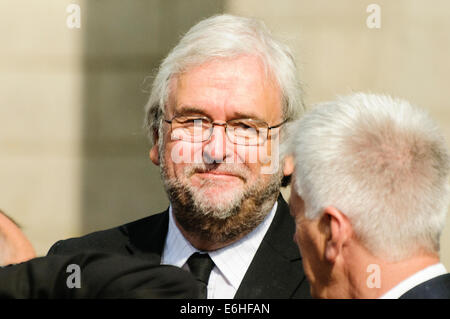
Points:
(224, 124)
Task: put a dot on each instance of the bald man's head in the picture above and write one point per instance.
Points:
(14, 246)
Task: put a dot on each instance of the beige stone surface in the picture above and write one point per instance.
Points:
(40, 97)
(42, 195)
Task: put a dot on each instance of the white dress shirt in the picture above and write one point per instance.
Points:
(231, 262)
(415, 280)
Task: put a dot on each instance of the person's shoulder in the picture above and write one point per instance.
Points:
(108, 240)
(435, 288)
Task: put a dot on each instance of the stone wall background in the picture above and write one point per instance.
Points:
(73, 156)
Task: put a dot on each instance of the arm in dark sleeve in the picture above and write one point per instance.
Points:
(101, 276)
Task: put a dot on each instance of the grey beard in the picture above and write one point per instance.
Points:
(214, 224)
(221, 225)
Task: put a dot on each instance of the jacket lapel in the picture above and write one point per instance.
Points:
(276, 270)
(147, 236)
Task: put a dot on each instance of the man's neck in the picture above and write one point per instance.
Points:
(390, 275)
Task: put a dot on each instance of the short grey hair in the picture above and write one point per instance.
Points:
(380, 161)
(225, 36)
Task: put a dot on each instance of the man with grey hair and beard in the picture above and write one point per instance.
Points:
(369, 197)
(215, 115)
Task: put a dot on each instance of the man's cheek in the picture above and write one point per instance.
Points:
(183, 152)
(248, 154)
(239, 154)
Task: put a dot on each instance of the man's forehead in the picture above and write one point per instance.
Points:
(218, 69)
(200, 110)
(236, 77)
(237, 87)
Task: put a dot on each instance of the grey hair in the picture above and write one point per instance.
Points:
(225, 36)
(382, 162)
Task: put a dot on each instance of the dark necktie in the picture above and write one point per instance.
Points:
(200, 266)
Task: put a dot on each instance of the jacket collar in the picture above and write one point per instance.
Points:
(276, 270)
(146, 237)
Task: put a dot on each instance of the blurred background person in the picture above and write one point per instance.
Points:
(14, 245)
(369, 197)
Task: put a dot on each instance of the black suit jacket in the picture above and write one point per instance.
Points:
(99, 275)
(275, 272)
(435, 288)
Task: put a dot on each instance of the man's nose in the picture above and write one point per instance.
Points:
(215, 149)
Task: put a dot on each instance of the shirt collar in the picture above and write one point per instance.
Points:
(177, 248)
(232, 261)
(415, 280)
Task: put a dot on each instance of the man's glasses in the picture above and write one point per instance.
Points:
(248, 132)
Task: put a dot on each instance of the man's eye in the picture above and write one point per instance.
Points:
(243, 125)
(191, 121)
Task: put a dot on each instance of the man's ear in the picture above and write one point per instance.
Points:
(339, 231)
(288, 165)
(154, 151)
